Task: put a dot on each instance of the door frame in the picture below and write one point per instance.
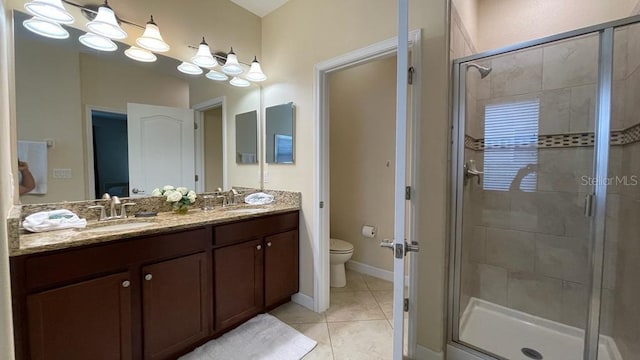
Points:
(90, 179)
(321, 213)
(200, 109)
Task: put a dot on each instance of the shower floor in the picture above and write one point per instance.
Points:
(504, 332)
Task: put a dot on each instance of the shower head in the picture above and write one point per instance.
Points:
(484, 71)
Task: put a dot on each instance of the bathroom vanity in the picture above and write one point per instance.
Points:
(153, 293)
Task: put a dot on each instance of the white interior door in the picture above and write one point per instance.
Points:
(161, 147)
(399, 234)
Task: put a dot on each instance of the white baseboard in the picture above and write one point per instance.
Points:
(424, 353)
(372, 271)
(304, 300)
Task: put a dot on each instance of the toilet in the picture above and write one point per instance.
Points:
(340, 253)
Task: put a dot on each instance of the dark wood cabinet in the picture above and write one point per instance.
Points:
(87, 320)
(174, 305)
(152, 297)
(239, 290)
(280, 267)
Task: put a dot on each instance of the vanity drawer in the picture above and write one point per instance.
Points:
(252, 229)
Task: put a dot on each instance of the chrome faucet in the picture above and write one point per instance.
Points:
(232, 196)
(113, 211)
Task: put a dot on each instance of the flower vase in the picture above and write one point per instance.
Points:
(180, 208)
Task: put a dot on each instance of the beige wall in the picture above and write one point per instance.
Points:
(213, 149)
(362, 145)
(237, 101)
(295, 37)
(468, 12)
(502, 23)
(6, 187)
(48, 105)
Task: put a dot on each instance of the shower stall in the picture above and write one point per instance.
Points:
(545, 237)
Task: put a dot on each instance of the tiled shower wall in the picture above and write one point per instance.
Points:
(528, 250)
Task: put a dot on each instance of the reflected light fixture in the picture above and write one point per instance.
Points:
(98, 42)
(46, 28)
(232, 67)
(217, 75)
(140, 54)
(189, 68)
(51, 10)
(239, 82)
(255, 72)
(151, 38)
(105, 24)
(203, 57)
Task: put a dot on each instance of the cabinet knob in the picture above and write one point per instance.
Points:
(148, 277)
(259, 247)
(126, 284)
(269, 244)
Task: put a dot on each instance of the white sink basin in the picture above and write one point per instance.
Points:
(119, 227)
(246, 211)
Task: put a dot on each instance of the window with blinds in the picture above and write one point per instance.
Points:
(510, 146)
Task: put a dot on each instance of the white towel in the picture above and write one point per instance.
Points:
(34, 153)
(53, 220)
(258, 198)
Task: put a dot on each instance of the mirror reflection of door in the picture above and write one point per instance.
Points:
(110, 153)
(213, 163)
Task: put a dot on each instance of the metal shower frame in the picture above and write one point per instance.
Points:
(605, 32)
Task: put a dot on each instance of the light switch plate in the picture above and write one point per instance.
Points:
(62, 173)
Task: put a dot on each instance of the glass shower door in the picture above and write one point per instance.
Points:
(524, 170)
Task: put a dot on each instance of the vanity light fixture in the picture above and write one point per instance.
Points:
(140, 54)
(255, 72)
(216, 75)
(97, 42)
(203, 56)
(231, 66)
(45, 28)
(51, 10)
(151, 38)
(105, 23)
(239, 82)
(189, 68)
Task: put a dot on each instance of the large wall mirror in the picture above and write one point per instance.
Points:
(280, 134)
(76, 100)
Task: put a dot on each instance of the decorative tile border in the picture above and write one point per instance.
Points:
(618, 138)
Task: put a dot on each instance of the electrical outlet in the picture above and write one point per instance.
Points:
(62, 173)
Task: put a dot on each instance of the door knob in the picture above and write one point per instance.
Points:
(259, 247)
(137, 191)
(269, 244)
(387, 243)
(413, 247)
(126, 284)
(148, 277)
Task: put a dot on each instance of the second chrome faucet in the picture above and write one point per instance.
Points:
(114, 201)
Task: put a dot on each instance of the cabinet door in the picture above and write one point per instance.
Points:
(175, 309)
(238, 276)
(87, 320)
(281, 267)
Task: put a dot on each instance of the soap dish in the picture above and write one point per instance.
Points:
(146, 214)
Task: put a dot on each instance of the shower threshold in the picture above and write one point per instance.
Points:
(516, 335)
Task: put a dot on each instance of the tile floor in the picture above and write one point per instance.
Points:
(356, 326)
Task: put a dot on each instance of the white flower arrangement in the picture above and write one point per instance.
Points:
(181, 197)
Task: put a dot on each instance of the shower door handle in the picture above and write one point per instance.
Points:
(470, 170)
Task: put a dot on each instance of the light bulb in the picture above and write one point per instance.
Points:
(189, 68)
(255, 72)
(140, 54)
(105, 24)
(98, 42)
(232, 67)
(203, 56)
(151, 38)
(46, 28)
(239, 82)
(51, 10)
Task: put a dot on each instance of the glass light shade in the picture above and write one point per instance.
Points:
(151, 38)
(255, 72)
(239, 82)
(98, 42)
(139, 54)
(216, 75)
(232, 67)
(46, 28)
(105, 24)
(52, 10)
(189, 68)
(203, 56)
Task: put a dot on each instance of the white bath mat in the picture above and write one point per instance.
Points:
(262, 338)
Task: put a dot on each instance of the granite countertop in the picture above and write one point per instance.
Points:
(31, 243)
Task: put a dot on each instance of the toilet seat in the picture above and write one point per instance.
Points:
(338, 246)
